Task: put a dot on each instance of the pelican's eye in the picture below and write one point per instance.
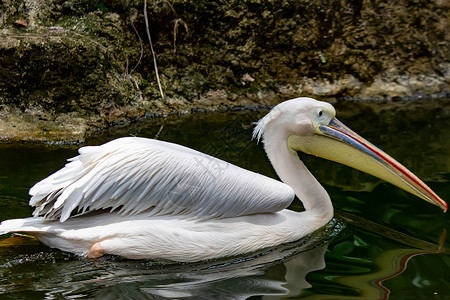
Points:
(320, 116)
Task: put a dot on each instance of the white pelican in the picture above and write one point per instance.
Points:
(143, 198)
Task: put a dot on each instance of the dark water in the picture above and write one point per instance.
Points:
(383, 242)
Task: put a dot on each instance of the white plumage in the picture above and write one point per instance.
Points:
(134, 175)
(143, 198)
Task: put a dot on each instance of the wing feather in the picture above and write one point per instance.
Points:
(133, 175)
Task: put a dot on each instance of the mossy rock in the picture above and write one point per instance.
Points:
(92, 59)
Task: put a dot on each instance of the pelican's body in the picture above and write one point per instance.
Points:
(248, 214)
(168, 237)
(142, 198)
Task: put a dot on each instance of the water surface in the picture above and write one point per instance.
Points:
(383, 243)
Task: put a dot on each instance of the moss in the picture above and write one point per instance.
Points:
(85, 56)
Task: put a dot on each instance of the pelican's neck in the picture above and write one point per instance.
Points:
(294, 173)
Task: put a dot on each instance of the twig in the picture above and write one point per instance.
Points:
(151, 48)
(126, 74)
(175, 32)
(136, 84)
(159, 131)
(140, 42)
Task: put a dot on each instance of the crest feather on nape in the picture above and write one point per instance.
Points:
(258, 132)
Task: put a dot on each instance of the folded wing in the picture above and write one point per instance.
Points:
(133, 175)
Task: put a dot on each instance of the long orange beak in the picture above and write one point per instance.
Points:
(339, 143)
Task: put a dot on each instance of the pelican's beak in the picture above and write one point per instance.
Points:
(339, 143)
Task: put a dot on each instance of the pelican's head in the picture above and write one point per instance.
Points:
(310, 126)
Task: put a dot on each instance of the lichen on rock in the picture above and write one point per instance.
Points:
(90, 61)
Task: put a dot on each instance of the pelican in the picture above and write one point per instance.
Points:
(148, 199)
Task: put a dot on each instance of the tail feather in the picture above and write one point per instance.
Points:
(21, 225)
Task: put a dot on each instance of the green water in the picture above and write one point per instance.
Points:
(383, 242)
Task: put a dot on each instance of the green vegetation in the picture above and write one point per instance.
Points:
(92, 58)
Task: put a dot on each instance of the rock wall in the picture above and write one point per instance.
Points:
(67, 66)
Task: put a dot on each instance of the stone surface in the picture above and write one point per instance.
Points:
(89, 62)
